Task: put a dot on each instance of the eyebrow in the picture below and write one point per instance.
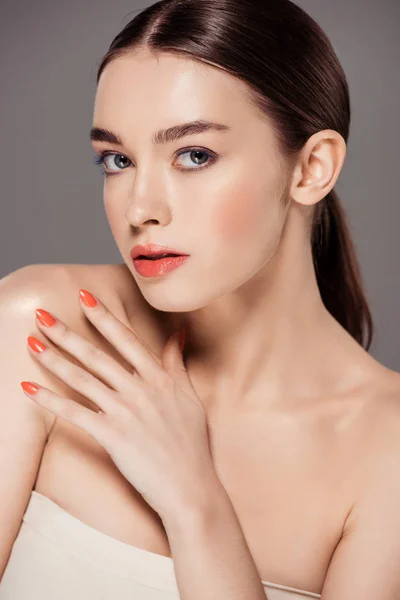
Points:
(163, 136)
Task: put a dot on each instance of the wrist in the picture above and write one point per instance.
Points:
(198, 504)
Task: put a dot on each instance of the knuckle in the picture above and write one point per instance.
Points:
(131, 339)
(124, 422)
(93, 355)
(64, 333)
(57, 365)
(81, 376)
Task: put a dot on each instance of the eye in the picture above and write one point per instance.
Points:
(197, 155)
(116, 161)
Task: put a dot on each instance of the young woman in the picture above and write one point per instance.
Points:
(263, 460)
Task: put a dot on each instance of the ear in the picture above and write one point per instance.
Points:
(318, 167)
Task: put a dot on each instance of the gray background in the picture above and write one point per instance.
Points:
(51, 192)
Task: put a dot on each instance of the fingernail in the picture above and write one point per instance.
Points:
(29, 387)
(36, 344)
(87, 298)
(182, 339)
(45, 317)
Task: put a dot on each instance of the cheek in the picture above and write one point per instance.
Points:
(115, 214)
(237, 216)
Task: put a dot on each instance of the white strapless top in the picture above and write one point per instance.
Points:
(58, 557)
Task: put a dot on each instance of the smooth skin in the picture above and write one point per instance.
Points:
(304, 424)
(149, 420)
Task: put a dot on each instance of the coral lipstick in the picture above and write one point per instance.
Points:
(158, 267)
(154, 260)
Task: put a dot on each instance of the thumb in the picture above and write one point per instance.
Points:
(172, 361)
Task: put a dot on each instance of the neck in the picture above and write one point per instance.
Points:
(272, 340)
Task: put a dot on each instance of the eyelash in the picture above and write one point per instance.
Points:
(99, 159)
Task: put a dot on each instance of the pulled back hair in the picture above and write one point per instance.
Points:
(295, 78)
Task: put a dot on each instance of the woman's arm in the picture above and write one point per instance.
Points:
(366, 562)
(212, 560)
(23, 425)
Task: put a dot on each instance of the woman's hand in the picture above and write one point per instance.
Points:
(151, 422)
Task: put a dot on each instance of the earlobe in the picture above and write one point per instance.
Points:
(318, 168)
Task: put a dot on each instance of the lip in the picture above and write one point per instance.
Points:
(138, 249)
(159, 267)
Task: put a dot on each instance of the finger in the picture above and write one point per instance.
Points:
(74, 376)
(121, 337)
(89, 355)
(95, 424)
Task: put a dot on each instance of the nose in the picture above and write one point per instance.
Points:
(147, 209)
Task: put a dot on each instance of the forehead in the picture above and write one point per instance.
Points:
(165, 88)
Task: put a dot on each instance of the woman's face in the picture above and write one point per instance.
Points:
(222, 201)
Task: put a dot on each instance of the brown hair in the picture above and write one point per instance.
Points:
(296, 79)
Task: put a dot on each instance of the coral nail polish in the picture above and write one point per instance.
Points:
(87, 298)
(45, 317)
(36, 344)
(29, 387)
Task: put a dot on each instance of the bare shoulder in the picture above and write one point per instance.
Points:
(376, 437)
(380, 414)
(384, 407)
(54, 287)
(365, 562)
(21, 292)
(59, 284)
